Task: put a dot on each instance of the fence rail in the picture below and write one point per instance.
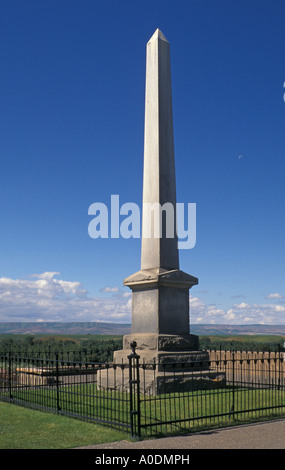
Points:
(148, 399)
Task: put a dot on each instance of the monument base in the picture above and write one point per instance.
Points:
(161, 342)
(168, 364)
(160, 301)
(159, 383)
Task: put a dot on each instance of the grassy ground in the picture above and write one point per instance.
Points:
(186, 411)
(209, 409)
(22, 428)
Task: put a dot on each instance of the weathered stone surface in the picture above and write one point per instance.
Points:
(159, 184)
(161, 342)
(160, 277)
(157, 383)
(160, 301)
(183, 382)
(161, 309)
(167, 360)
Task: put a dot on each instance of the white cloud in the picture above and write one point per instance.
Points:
(274, 296)
(45, 297)
(109, 289)
(279, 308)
(230, 315)
(237, 314)
(42, 297)
(242, 305)
(46, 275)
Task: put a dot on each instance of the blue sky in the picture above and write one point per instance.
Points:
(72, 89)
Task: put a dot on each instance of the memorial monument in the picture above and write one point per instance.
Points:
(160, 290)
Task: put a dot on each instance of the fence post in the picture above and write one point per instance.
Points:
(134, 390)
(10, 375)
(233, 385)
(280, 363)
(57, 382)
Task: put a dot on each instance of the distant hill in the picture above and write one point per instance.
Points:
(74, 328)
(122, 329)
(237, 329)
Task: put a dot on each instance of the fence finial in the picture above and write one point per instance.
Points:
(133, 345)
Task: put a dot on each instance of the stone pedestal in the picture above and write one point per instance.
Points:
(160, 301)
(167, 364)
(163, 351)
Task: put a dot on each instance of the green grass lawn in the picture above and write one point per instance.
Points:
(164, 414)
(207, 409)
(22, 428)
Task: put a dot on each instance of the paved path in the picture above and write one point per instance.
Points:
(268, 435)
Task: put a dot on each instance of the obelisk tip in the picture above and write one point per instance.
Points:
(158, 35)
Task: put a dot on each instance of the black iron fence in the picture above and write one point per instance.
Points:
(151, 398)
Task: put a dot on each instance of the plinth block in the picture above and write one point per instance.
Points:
(158, 383)
(161, 342)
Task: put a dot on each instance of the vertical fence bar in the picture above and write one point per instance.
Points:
(57, 382)
(138, 396)
(9, 376)
(130, 357)
(233, 386)
(279, 368)
(134, 391)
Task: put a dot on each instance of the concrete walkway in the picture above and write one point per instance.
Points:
(266, 435)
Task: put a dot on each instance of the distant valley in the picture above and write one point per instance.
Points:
(100, 328)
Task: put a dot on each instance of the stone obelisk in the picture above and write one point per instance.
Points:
(160, 290)
(159, 184)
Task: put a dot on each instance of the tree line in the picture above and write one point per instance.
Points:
(101, 350)
(207, 343)
(96, 350)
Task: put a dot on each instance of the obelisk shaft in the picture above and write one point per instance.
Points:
(159, 186)
(160, 290)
